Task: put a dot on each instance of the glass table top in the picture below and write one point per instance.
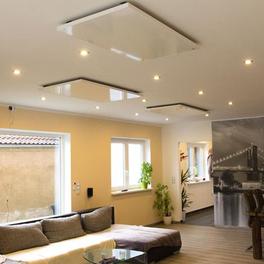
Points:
(104, 256)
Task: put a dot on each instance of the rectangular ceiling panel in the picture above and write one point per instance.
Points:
(129, 31)
(178, 110)
(90, 90)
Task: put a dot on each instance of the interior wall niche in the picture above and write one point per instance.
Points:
(195, 158)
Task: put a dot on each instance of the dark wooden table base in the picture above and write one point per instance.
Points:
(256, 237)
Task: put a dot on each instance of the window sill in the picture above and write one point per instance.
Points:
(117, 193)
(198, 182)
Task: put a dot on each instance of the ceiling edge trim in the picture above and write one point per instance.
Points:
(94, 81)
(176, 104)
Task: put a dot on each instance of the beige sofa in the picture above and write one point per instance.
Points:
(68, 251)
(157, 243)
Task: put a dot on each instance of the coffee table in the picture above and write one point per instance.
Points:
(117, 255)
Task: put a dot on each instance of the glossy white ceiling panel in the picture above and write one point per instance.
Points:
(130, 32)
(178, 110)
(90, 90)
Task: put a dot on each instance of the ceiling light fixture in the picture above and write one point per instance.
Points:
(230, 103)
(156, 77)
(84, 53)
(136, 114)
(200, 92)
(206, 114)
(248, 61)
(144, 100)
(167, 119)
(17, 72)
(97, 107)
(43, 98)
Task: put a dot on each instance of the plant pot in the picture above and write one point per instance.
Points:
(183, 215)
(144, 185)
(167, 220)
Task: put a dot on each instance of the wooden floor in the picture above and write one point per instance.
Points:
(210, 245)
(204, 217)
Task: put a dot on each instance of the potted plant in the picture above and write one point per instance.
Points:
(163, 203)
(185, 203)
(146, 174)
(185, 198)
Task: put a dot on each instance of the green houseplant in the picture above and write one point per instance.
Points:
(146, 174)
(185, 197)
(163, 203)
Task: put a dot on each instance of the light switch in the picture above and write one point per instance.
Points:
(76, 187)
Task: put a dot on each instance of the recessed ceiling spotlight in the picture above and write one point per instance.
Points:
(136, 114)
(206, 114)
(230, 103)
(248, 61)
(97, 107)
(17, 72)
(144, 100)
(167, 119)
(156, 77)
(200, 92)
(84, 53)
(43, 98)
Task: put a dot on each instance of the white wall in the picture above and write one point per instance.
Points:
(201, 195)
(183, 131)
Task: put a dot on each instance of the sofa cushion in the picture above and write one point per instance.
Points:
(69, 251)
(97, 220)
(4, 260)
(10, 261)
(58, 229)
(18, 237)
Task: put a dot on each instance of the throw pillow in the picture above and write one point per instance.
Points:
(18, 237)
(97, 220)
(58, 229)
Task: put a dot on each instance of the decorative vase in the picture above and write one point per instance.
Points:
(167, 220)
(144, 185)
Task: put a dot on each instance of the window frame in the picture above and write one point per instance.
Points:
(63, 194)
(203, 167)
(145, 157)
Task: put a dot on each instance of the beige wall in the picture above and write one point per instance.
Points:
(90, 162)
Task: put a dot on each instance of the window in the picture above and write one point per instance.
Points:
(197, 161)
(127, 156)
(34, 175)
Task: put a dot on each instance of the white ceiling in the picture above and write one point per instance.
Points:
(227, 32)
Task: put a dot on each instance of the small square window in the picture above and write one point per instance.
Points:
(127, 156)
